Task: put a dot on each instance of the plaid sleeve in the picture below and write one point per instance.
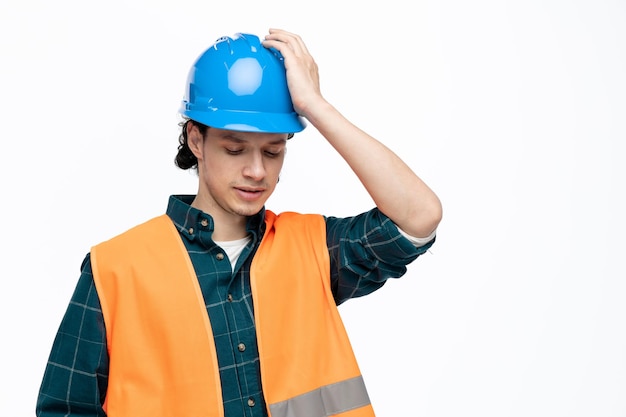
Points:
(75, 379)
(365, 251)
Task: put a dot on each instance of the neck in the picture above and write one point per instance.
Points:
(225, 232)
(227, 226)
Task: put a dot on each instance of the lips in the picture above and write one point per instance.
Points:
(249, 193)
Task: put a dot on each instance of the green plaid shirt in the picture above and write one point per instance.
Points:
(365, 251)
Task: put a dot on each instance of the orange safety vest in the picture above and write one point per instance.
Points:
(162, 357)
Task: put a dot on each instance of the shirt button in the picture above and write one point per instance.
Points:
(204, 222)
(191, 230)
(219, 256)
(241, 347)
(251, 402)
(230, 298)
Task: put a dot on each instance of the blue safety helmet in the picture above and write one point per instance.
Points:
(238, 84)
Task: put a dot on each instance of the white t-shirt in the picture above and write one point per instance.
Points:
(233, 249)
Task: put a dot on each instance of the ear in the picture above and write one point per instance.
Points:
(195, 140)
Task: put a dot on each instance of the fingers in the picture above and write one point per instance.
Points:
(281, 39)
(302, 72)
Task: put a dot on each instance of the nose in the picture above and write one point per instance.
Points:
(254, 168)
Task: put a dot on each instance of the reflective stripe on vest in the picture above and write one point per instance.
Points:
(162, 355)
(325, 401)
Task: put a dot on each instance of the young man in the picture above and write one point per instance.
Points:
(223, 308)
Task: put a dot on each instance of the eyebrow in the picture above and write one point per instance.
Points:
(235, 139)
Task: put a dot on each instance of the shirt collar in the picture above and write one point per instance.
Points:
(190, 220)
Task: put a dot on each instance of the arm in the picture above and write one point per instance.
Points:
(365, 251)
(396, 190)
(75, 379)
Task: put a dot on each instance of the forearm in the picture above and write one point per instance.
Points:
(396, 190)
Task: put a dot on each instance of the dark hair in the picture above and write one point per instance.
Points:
(185, 159)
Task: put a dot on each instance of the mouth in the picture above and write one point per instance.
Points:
(249, 193)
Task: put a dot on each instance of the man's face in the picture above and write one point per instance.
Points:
(238, 170)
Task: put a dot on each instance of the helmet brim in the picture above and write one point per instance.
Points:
(254, 121)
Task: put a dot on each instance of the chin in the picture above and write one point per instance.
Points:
(248, 210)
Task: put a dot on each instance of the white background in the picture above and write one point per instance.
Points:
(513, 112)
